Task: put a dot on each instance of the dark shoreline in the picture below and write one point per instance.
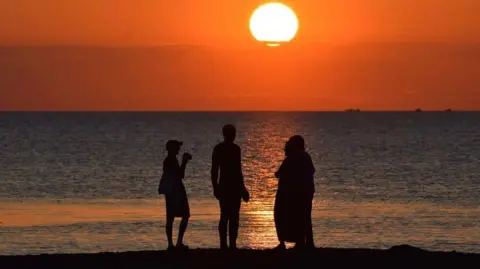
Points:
(399, 256)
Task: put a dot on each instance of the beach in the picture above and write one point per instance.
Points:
(403, 256)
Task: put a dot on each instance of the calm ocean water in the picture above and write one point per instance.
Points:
(86, 182)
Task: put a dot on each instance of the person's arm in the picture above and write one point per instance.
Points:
(185, 158)
(182, 169)
(310, 170)
(280, 170)
(246, 194)
(310, 166)
(240, 167)
(214, 170)
(165, 174)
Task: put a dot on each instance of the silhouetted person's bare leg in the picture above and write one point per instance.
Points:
(222, 229)
(233, 229)
(229, 222)
(181, 232)
(169, 231)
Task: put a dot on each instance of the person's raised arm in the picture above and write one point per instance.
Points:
(185, 158)
(183, 166)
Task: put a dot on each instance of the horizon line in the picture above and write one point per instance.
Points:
(235, 111)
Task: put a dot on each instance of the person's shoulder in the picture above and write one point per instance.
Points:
(219, 149)
(234, 148)
(227, 147)
(218, 146)
(305, 156)
(169, 160)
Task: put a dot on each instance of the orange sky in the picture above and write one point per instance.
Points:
(214, 22)
(306, 77)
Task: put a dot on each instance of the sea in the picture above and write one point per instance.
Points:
(86, 182)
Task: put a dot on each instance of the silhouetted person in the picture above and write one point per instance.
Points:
(229, 188)
(285, 209)
(172, 187)
(306, 173)
(293, 203)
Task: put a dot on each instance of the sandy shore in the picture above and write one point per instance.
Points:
(396, 257)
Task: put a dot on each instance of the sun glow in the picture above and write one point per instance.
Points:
(273, 23)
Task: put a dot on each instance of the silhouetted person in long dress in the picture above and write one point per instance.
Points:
(287, 204)
(306, 171)
(293, 203)
(228, 187)
(172, 187)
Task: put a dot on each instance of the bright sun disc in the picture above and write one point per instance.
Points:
(273, 23)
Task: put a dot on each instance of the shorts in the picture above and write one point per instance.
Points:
(230, 207)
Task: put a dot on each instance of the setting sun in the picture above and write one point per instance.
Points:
(273, 23)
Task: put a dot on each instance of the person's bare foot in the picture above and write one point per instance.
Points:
(280, 246)
(181, 246)
(300, 246)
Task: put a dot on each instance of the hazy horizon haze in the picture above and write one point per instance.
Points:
(368, 77)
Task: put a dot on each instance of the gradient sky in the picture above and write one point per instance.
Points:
(401, 79)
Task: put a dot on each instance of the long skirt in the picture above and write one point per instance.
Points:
(288, 217)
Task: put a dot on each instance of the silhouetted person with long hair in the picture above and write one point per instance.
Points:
(172, 187)
(228, 187)
(293, 203)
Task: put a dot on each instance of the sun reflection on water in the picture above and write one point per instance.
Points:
(259, 228)
(263, 155)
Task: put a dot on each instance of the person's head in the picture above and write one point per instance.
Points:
(173, 147)
(297, 143)
(229, 133)
(288, 148)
